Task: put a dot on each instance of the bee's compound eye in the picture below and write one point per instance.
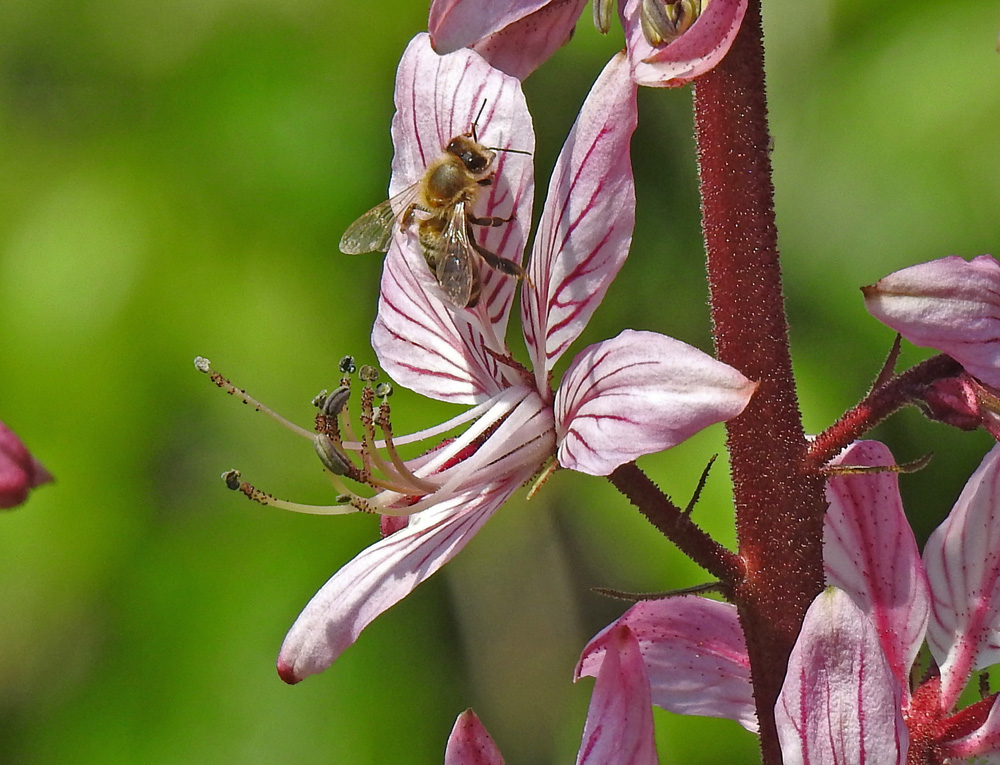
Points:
(475, 162)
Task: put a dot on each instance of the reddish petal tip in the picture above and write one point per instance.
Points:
(287, 673)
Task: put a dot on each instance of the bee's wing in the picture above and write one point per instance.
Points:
(457, 267)
(372, 232)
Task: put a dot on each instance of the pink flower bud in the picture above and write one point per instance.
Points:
(19, 471)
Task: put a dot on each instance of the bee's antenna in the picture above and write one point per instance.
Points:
(476, 121)
(509, 151)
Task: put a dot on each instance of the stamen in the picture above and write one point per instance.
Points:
(232, 479)
(602, 15)
(204, 365)
(425, 487)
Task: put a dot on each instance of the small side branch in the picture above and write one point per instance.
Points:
(881, 402)
(676, 525)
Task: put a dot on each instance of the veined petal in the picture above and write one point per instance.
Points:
(962, 558)
(870, 553)
(949, 304)
(692, 54)
(619, 729)
(382, 575)
(438, 98)
(455, 24)
(840, 702)
(427, 346)
(694, 653)
(586, 226)
(470, 743)
(639, 393)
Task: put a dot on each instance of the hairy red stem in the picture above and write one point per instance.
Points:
(779, 507)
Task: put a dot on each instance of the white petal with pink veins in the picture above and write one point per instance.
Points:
(949, 304)
(640, 393)
(586, 226)
(870, 553)
(619, 729)
(962, 558)
(382, 575)
(438, 98)
(840, 702)
(694, 653)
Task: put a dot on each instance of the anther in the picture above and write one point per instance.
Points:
(332, 404)
(330, 455)
(347, 365)
(602, 15)
(383, 390)
(663, 21)
(232, 479)
(368, 373)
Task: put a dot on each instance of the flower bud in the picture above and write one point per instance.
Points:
(19, 471)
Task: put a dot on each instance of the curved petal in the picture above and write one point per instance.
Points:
(639, 393)
(524, 45)
(470, 743)
(440, 97)
(950, 304)
(985, 739)
(692, 54)
(380, 576)
(619, 729)
(427, 346)
(962, 558)
(870, 553)
(586, 226)
(694, 653)
(455, 24)
(840, 702)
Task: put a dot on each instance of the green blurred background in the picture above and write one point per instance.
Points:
(176, 177)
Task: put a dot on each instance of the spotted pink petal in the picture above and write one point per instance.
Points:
(870, 553)
(619, 728)
(640, 393)
(20, 472)
(984, 740)
(962, 558)
(586, 226)
(382, 575)
(950, 304)
(694, 653)
(438, 98)
(692, 54)
(840, 702)
(470, 743)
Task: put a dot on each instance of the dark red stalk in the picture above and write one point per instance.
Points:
(779, 507)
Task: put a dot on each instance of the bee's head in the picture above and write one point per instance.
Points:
(476, 157)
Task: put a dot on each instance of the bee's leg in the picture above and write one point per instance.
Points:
(493, 260)
(490, 221)
(407, 218)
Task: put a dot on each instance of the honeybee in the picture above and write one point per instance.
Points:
(446, 193)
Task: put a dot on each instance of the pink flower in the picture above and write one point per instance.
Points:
(669, 42)
(470, 743)
(637, 393)
(950, 304)
(847, 695)
(20, 472)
